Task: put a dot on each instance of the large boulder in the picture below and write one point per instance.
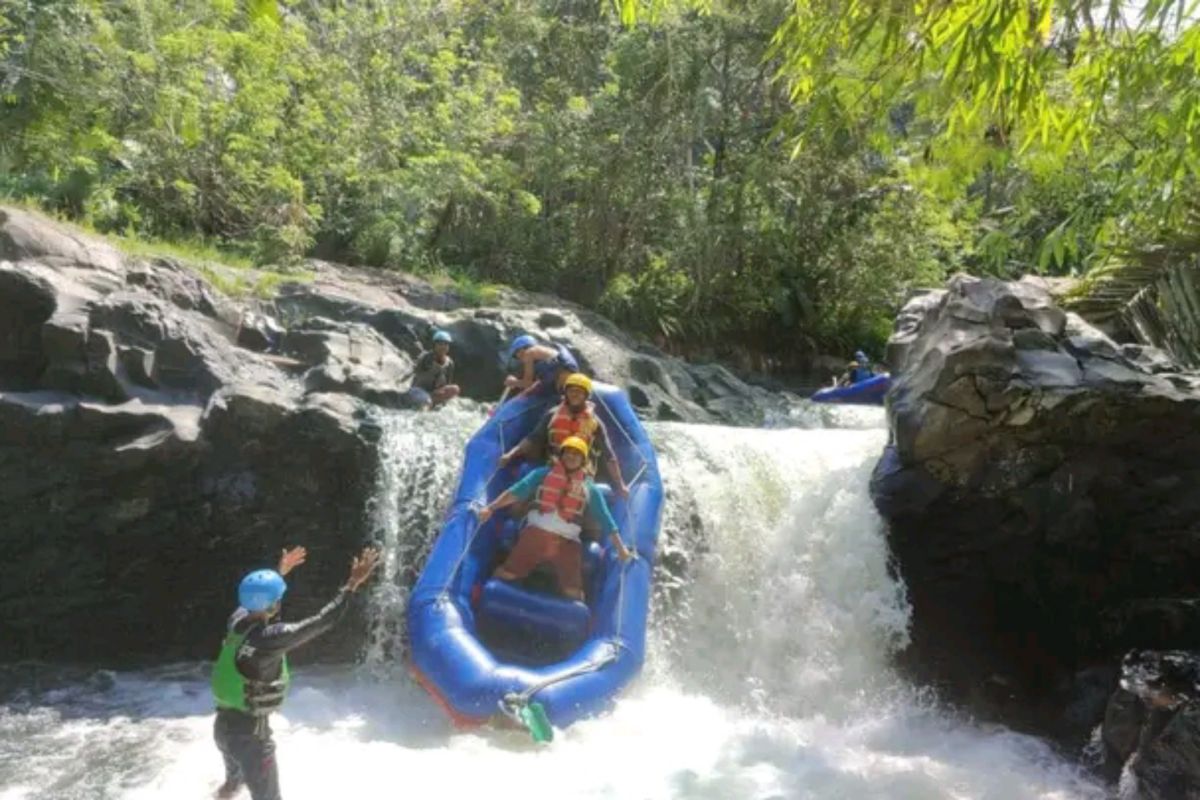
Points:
(1042, 487)
(1151, 731)
(350, 358)
(146, 461)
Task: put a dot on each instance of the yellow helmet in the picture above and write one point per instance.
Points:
(580, 380)
(575, 443)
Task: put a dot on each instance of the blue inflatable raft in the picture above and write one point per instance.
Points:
(868, 393)
(484, 647)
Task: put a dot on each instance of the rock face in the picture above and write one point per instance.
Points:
(146, 462)
(1042, 489)
(157, 439)
(405, 313)
(1151, 730)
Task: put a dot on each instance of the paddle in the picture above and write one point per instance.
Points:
(533, 717)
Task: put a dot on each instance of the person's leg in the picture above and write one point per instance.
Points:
(567, 562)
(259, 766)
(447, 392)
(417, 398)
(233, 772)
(530, 551)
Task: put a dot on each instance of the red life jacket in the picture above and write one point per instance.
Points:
(563, 492)
(566, 423)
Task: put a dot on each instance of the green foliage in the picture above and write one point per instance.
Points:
(470, 291)
(770, 174)
(197, 251)
(1070, 125)
(653, 300)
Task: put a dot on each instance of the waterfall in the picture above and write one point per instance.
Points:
(768, 673)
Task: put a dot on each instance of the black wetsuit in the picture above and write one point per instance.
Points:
(245, 739)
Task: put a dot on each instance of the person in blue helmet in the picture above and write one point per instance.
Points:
(250, 678)
(544, 368)
(857, 370)
(434, 373)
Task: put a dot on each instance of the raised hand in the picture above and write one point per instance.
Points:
(290, 559)
(362, 566)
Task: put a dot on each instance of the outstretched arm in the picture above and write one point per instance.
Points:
(503, 501)
(526, 379)
(285, 636)
(522, 449)
(598, 509)
(611, 464)
(281, 637)
(520, 491)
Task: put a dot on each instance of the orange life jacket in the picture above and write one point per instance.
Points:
(563, 492)
(565, 423)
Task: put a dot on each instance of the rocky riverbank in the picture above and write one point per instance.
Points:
(1042, 490)
(156, 436)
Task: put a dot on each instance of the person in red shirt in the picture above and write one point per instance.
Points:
(563, 496)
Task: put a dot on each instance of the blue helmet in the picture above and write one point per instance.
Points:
(861, 357)
(261, 589)
(520, 343)
(442, 336)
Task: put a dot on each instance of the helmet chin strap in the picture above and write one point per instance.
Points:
(268, 614)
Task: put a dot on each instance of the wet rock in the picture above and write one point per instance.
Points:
(671, 388)
(1040, 486)
(146, 462)
(259, 332)
(1151, 729)
(351, 358)
(158, 439)
(1150, 359)
(26, 302)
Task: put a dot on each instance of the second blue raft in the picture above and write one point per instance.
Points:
(479, 644)
(869, 392)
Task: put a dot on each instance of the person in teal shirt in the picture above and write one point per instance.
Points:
(563, 497)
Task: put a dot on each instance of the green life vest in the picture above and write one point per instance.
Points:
(233, 690)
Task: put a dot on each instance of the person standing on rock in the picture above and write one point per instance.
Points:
(434, 373)
(250, 678)
(575, 416)
(544, 368)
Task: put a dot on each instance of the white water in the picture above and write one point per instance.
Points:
(767, 675)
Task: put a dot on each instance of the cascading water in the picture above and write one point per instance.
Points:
(767, 677)
(420, 458)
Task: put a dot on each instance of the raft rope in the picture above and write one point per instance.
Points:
(472, 507)
(633, 553)
(512, 702)
(474, 503)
